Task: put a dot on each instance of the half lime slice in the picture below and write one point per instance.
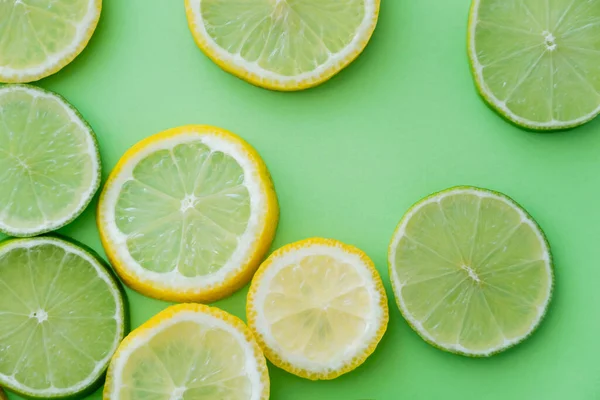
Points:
(62, 317)
(471, 271)
(537, 62)
(49, 161)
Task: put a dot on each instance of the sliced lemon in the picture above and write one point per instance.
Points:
(471, 270)
(39, 37)
(189, 351)
(537, 62)
(188, 214)
(282, 44)
(317, 308)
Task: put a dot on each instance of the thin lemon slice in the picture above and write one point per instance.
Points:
(282, 44)
(188, 214)
(49, 161)
(471, 271)
(189, 351)
(39, 37)
(537, 62)
(317, 308)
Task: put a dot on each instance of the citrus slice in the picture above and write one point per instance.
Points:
(49, 161)
(62, 317)
(537, 62)
(189, 351)
(40, 37)
(282, 44)
(471, 271)
(188, 214)
(317, 308)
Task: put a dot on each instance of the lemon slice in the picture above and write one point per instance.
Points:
(317, 308)
(39, 37)
(189, 351)
(471, 270)
(282, 44)
(188, 214)
(537, 62)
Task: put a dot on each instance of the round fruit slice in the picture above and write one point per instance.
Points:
(40, 37)
(188, 214)
(471, 271)
(537, 62)
(317, 308)
(189, 351)
(49, 161)
(282, 45)
(62, 317)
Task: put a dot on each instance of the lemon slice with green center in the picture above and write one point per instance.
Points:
(537, 62)
(471, 271)
(282, 44)
(39, 37)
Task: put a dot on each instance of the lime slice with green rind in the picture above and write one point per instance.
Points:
(537, 62)
(62, 317)
(49, 161)
(471, 271)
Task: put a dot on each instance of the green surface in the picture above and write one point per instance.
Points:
(348, 158)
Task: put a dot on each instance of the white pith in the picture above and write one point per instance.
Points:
(204, 320)
(397, 284)
(335, 59)
(56, 59)
(174, 280)
(92, 151)
(359, 344)
(501, 105)
(119, 318)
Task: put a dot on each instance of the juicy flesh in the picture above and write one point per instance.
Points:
(184, 210)
(46, 168)
(187, 361)
(57, 317)
(287, 37)
(541, 59)
(318, 308)
(34, 31)
(472, 273)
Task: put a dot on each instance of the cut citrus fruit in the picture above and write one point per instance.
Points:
(189, 351)
(317, 308)
(40, 37)
(49, 161)
(62, 317)
(188, 214)
(471, 271)
(279, 44)
(537, 62)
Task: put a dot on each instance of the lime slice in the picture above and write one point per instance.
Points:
(188, 214)
(189, 351)
(282, 45)
(471, 271)
(39, 37)
(62, 316)
(48, 158)
(317, 308)
(537, 62)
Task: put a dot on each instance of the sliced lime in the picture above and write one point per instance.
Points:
(39, 37)
(62, 316)
(471, 271)
(49, 161)
(538, 62)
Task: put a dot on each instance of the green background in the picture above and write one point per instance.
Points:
(348, 158)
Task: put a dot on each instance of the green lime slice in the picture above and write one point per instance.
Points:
(471, 271)
(49, 161)
(537, 62)
(62, 317)
(39, 37)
